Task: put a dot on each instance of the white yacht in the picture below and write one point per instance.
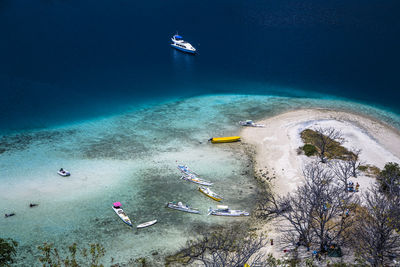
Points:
(180, 44)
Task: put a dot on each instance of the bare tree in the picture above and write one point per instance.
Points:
(331, 205)
(343, 170)
(355, 162)
(375, 238)
(326, 138)
(230, 247)
(317, 212)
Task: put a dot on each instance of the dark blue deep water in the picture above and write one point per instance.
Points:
(64, 60)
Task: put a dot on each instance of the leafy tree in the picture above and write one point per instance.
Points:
(89, 257)
(389, 178)
(8, 250)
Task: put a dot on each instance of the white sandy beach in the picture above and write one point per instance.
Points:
(276, 148)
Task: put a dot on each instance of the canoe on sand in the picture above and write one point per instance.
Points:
(227, 139)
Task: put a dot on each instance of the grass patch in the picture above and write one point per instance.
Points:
(334, 151)
(177, 259)
(369, 170)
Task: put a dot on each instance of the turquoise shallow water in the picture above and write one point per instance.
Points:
(132, 158)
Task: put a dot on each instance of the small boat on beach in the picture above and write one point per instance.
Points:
(117, 207)
(191, 176)
(228, 139)
(225, 211)
(146, 224)
(179, 44)
(250, 123)
(207, 191)
(63, 172)
(182, 207)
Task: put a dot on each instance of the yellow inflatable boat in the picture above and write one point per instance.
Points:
(224, 139)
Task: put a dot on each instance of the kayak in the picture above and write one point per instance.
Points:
(146, 224)
(228, 139)
(120, 212)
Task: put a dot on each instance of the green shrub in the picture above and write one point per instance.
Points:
(309, 150)
(7, 251)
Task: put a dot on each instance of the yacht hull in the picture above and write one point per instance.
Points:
(183, 49)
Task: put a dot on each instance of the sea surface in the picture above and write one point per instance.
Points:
(94, 87)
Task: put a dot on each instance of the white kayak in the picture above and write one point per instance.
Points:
(146, 224)
(120, 212)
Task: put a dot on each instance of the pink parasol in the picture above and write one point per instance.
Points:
(117, 204)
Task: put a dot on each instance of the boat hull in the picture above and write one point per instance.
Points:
(183, 49)
(228, 139)
(196, 180)
(123, 216)
(64, 174)
(191, 176)
(210, 196)
(229, 214)
(146, 224)
(182, 209)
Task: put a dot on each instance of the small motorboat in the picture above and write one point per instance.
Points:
(146, 224)
(117, 207)
(182, 207)
(63, 172)
(250, 123)
(225, 211)
(207, 191)
(191, 176)
(180, 44)
(228, 139)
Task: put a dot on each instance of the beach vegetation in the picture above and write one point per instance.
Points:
(233, 246)
(309, 150)
(72, 257)
(375, 239)
(343, 170)
(354, 160)
(389, 178)
(369, 170)
(317, 214)
(8, 250)
(327, 141)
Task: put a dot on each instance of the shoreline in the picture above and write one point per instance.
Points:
(278, 163)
